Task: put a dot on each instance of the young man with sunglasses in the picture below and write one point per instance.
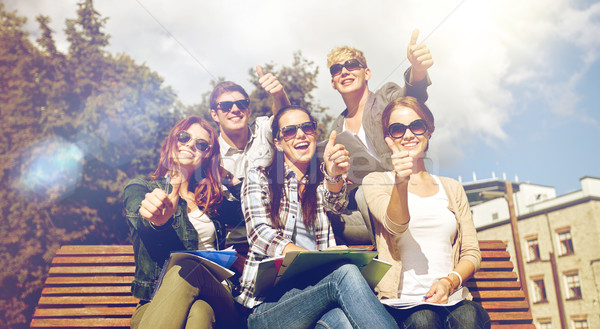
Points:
(350, 76)
(243, 144)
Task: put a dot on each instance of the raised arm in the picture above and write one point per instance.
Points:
(416, 78)
(274, 88)
(387, 193)
(419, 57)
(397, 208)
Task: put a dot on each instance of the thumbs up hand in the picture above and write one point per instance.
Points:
(401, 160)
(336, 157)
(419, 57)
(268, 82)
(158, 206)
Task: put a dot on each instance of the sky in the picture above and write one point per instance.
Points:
(514, 83)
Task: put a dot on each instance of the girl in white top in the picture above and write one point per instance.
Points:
(418, 229)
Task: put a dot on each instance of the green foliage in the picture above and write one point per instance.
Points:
(299, 80)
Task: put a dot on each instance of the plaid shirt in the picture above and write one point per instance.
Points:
(266, 241)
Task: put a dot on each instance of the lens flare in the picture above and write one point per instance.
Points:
(50, 170)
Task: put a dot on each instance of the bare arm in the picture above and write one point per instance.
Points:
(397, 209)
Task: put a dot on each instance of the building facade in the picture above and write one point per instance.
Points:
(562, 230)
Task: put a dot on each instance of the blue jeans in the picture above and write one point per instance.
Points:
(464, 315)
(341, 299)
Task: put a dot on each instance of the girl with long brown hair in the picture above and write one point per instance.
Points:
(174, 209)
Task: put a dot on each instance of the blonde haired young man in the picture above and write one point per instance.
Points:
(350, 75)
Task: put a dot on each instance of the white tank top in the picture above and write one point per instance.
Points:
(426, 246)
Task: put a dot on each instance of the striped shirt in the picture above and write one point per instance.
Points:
(266, 241)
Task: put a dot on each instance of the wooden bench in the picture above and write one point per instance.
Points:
(89, 287)
(496, 287)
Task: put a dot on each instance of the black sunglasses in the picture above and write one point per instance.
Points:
(200, 144)
(397, 130)
(350, 65)
(242, 104)
(289, 132)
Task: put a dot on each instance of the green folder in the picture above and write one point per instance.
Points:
(298, 262)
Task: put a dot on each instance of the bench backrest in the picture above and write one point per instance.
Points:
(89, 286)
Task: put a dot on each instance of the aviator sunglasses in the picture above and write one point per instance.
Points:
(242, 104)
(289, 132)
(397, 130)
(350, 65)
(200, 144)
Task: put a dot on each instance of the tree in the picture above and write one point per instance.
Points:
(299, 81)
(75, 128)
(203, 109)
(19, 96)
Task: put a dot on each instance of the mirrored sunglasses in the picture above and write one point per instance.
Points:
(200, 144)
(289, 132)
(350, 65)
(397, 130)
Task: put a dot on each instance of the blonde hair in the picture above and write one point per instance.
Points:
(344, 53)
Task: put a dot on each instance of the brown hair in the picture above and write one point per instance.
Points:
(225, 87)
(206, 180)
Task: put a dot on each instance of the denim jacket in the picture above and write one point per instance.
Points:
(153, 244)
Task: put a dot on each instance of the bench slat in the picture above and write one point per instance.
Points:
(496, 266)
(86, 290)
(495, 276)
(505, 305)
(492, 245)
(496, 255)
(77, 260)
(493, 285)
(88, 300)
(513, 326)
(91, 269)
(95, 250)
(81, 280)
(84, 311)
(81, 323)
(498, 294)
(510, 316)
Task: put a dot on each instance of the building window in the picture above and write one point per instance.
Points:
(580, 324)
(573, 286)
(533, 249)
(545, 325)
(539, 291)
(565, 242)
